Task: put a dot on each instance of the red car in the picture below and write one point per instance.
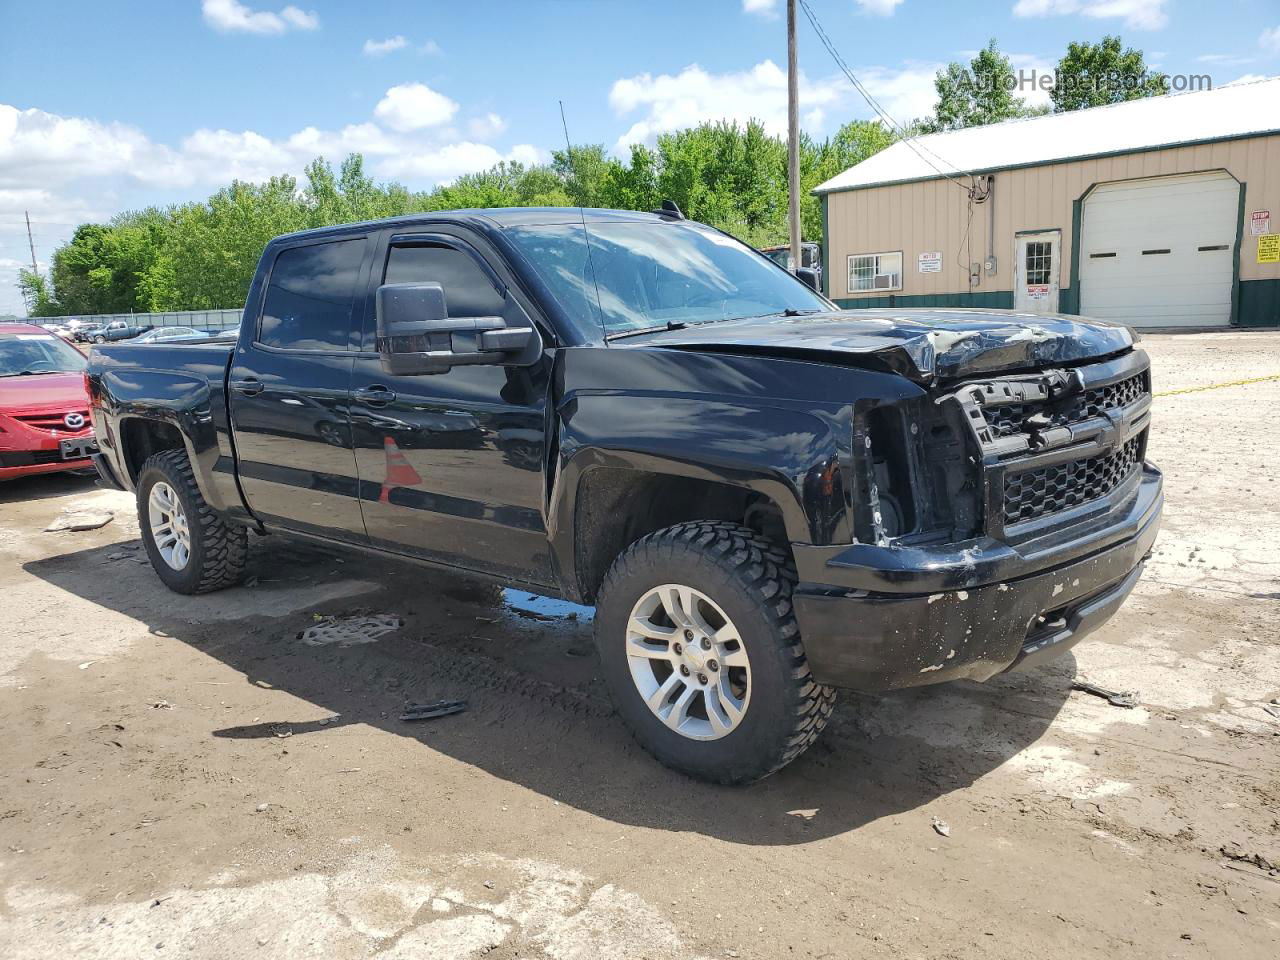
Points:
(44, 410)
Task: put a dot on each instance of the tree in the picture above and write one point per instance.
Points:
(976, 95)
(35, 293)
(1095, 74)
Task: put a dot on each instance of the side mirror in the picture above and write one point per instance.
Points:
(417, 336)
(808, 276)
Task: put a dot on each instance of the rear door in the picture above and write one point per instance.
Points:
(452, 463)
(289, 386)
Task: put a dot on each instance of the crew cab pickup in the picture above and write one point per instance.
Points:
(765, 497)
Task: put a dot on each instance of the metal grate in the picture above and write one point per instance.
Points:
(1010, 420)
(1034, 493)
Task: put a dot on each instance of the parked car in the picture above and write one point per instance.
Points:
(810, 270)
(44, 411)
(158, 334)
(84, 333)
(765, 497)
(113, 331)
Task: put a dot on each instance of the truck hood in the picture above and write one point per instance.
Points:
(63, 391)
(923, 345)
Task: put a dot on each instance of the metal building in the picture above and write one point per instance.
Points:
(1162, 212)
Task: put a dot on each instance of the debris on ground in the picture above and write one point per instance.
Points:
(325, 721)
(1272, 709)
(161, 705)
(429, 711)
(282, 730)
(349, 631)
(1117, 698)
(940, 826)
(74, 520)
(1237, 852)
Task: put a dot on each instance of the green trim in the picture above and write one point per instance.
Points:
(1259, 303)
(826, 252)
(1027, 233)
(994, 300)
(1055, 161)
(1235, 268)
(1069, 299)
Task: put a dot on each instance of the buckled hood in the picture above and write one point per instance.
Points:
(923, 345)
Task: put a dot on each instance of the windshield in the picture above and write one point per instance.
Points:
(648, 274)
(35, 353)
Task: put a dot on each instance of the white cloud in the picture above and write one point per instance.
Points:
(1226, 59)
(761, 8)
(448, 162)
(231, 16)
(431, 48)
(1248, 78)
(879, 8)
(376, 48)
(1138, 14)
(671, 102)
(414, 106)
(1270, 40)
(692, 96)
(487, 127)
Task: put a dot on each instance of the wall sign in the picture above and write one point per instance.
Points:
(1269, 248)
(1260, 222)
(931, 262)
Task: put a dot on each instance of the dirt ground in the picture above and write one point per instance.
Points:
(187, 777)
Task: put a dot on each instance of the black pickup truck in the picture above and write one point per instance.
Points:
(765, 497)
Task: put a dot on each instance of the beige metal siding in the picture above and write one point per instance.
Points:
(931, 215)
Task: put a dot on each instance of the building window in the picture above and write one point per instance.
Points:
(875, 271)
(1039, 262)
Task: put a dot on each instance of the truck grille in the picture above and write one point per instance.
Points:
(1012, 419)
(1030, 494)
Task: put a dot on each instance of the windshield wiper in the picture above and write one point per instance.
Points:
(669, 325)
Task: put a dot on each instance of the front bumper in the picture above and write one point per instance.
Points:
(881, 618)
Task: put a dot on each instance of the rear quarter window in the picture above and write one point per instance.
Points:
(310, 296)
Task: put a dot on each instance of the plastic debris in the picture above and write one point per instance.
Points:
(1117, 698)
(80, 519)
(940, 826)
(429, 711)
(349, 631)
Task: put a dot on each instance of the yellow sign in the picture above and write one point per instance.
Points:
(1269, 248)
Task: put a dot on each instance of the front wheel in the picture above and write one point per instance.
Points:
(700, 649)
(192, 549)
(99, 339)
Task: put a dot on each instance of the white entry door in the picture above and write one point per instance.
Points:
(1036, 259)
(1160, 252)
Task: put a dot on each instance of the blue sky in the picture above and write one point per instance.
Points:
(110, 106)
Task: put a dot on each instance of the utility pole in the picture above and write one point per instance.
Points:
(793, 137)
(31, 244)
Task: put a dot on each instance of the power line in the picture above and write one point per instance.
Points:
(900, 130)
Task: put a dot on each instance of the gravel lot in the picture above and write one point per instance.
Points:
(186, 776)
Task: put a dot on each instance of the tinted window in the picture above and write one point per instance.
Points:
(308, 303)
(468, 291)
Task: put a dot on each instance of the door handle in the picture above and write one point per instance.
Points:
(375, 395)
(249, 386)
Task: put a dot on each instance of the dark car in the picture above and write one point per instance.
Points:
(765, 497)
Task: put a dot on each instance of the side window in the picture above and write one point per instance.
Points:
(309, 296)
(468, 290)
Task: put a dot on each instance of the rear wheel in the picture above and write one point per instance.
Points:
(192, 548)
(701, 652)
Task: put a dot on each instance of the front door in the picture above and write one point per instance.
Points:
(1036, 260)
(289, 387)
(452, 464)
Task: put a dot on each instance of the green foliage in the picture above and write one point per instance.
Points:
(976, 95)
(35, 293)
(1095, 74)
(198, 256)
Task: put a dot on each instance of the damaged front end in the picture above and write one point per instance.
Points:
(999, 520)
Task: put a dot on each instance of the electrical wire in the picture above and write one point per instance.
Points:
(916, 147)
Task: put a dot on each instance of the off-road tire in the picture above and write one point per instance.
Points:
(219, 550)
(751, 579)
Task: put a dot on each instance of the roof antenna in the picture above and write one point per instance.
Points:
(669, 210)
(568, 148)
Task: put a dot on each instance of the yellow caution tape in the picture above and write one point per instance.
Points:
(1219, 386)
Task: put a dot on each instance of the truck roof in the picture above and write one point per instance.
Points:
(491, 218)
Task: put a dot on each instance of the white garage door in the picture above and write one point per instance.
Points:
(1160, 252)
